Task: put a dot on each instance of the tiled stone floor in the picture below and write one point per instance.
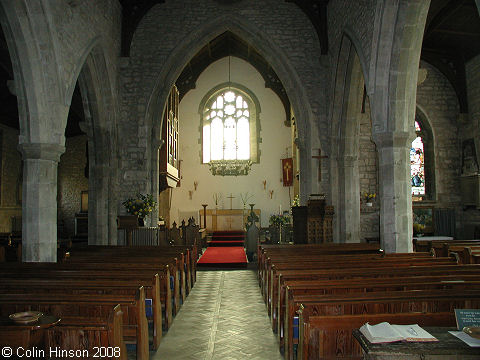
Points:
(223, 318)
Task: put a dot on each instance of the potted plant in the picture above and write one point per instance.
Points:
(276, 224)
(140, 206)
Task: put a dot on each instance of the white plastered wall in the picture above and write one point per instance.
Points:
(275, 139)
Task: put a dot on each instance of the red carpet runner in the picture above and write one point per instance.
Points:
(225, 250)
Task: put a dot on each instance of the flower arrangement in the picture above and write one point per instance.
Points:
(278, 220)
(418, 228)
(368, 197)
(141, 206)
(296, 201)
(245, 197)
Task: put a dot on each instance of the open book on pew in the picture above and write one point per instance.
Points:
(387, 333)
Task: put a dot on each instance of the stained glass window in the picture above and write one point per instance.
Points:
(417, 164)
(226, 128)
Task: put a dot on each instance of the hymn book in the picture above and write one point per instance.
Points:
(387, 333)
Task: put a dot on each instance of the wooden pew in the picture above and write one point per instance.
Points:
(355, 288)
(382, 302)
(102, 277)
(135, 327)
(331, 336)
(464, 252)
(188, 256)
(437, 245)
(363, 285)
(264, 251)
(340, 263)
(371, 274)
(73, 332)
(122, 258)
(97, 286)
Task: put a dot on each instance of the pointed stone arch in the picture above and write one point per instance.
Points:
(347, 105)
(100, 127)
(398, 34)
(273, 54)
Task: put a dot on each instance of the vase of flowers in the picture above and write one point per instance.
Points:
(141, 206)
(368, 198)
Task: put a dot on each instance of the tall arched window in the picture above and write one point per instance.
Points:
(422, 170)
(229, 130)
(417, 164)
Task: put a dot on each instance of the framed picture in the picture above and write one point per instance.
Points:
(423, 222)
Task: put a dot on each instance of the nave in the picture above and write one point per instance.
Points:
(224, 317)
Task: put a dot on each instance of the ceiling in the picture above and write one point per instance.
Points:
(452, 37)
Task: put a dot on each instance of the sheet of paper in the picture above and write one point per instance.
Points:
(466, 338)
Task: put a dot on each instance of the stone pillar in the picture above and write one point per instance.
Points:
(98, 211)
(39, 207)
(395, 191)
(350, 229)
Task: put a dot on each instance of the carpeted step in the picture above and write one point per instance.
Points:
(223, 257)
(218, 243)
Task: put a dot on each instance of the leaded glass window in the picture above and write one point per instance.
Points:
(226, 128)
(417, 164)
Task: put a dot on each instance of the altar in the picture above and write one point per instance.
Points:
(226, 219)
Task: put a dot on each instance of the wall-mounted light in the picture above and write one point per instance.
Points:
(264, 182)
(195, 184)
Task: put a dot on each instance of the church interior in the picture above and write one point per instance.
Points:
(165, 139)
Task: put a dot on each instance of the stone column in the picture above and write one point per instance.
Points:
(395, 191)
(98, 211)
(350, 231)
(39, 207)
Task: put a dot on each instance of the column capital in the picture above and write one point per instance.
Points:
(393, 139)
(349, 160)
(41, 151)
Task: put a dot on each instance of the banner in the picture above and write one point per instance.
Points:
(287, 170)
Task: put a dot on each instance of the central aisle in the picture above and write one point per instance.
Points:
(224, 317)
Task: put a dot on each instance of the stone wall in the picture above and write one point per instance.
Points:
(10, 177)
(438, 102)
(76, 26)
(469, 128)
(71, 182)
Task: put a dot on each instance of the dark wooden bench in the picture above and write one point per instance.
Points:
(372, 274)
(433, 301)
(339, 263)
(364, 285)
(183, 255)
(73, 333)
(132, 261)
(99, 286)
(437, 245)
(330, 337)
(354, 288)
(135, 327)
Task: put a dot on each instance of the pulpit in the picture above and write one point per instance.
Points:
(313, 224)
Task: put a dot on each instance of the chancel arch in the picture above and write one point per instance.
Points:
(273, 54)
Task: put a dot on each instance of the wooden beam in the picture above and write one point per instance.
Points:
(448, 11)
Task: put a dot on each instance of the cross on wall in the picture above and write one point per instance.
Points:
(319, 157)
